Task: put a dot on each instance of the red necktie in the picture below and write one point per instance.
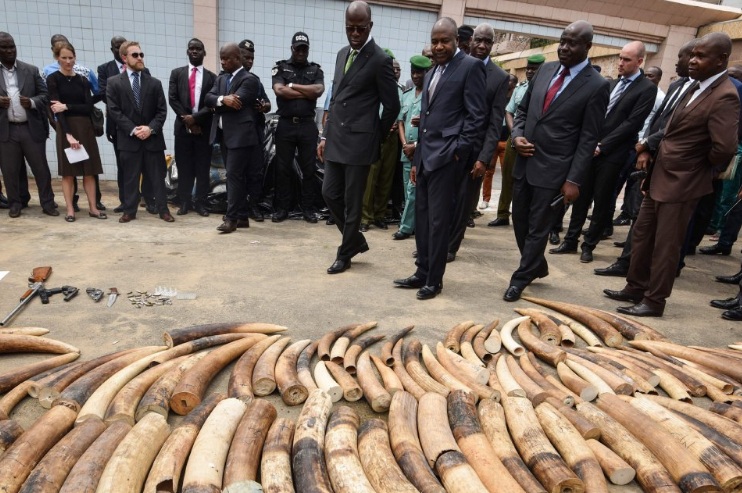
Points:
(192, 86)
(554, 89)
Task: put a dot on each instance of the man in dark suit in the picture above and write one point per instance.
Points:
(471, 174)
(137, 105)
(555, 133)
(233, 97)
(632, 98)
(24, 128)
(452, 123)
(187, 91)
(699, 140)
(351, 138)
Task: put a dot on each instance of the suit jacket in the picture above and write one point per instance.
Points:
(566, 135)
(179, 96)
(239, 127)
(626, 118)
(106, 70)
(32, 86)
(126, 116)
(452, 122)
(700, 139)
(497, 99)
(353, 128)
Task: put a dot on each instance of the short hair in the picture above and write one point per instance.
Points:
(655, 68)
(56, 38)
(125, 47)
(196, 40)
(62, 45)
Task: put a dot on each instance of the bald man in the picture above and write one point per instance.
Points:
(699, 141)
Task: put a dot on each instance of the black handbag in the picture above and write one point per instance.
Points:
(96, 116)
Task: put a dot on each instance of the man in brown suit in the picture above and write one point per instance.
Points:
(700, 139)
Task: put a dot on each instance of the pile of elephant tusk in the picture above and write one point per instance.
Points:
(561, 399)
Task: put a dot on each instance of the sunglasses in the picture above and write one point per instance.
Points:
(136, 55)
(358, 29)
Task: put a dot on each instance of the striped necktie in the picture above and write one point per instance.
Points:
(136, 89)
(351, 59)
(621, 87)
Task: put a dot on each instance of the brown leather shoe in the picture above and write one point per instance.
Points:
(165, 216)
(227, 226)
(127, 218)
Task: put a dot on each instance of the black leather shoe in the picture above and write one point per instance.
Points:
(563, 248)
(3, 201)
(500, 221)
(412, 282)
(735, 314)
(640, 310)
(363, 228)
(50, 212)
(622, 220)
(715, 249)
(429, 292)
(256, 214)
(127, 218)
(15, 210)
(165, 216)
(119, 209)
(182, 210)
(201, 210)
(586, 256)
(621, 295)
(735, 279)
(400, 236)
(100, 206)
(619, 244)
(310, 217)
(727, 304)
(450, 257)
(330, 221)
(512, 293)
(279, 216)
(614, 270)
(227, 226)
(362, 249)
(379, 223)
(151, 209)
(339, 266)
(470, 223)
(554, 238)
(607, 233)
(243, 223)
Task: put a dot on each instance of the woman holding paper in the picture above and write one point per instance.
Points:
(77, 149)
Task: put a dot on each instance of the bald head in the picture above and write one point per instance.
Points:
(482, 41)
(583, 29)
(358, 24)
(631, 58)
(575, 42)
(710, 56)
(359, 7)
(443, 40)
(230, 57)
(446, 23)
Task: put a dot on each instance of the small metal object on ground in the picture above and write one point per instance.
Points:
(95, 294)
(112, 295)
(144, 298)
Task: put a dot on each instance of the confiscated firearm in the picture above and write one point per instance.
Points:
(36, 283)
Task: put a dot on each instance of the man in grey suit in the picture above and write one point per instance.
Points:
(351, 139)
(23, 127)
(452, 124)
(555, 134)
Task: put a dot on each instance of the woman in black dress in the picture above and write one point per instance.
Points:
(72, 104)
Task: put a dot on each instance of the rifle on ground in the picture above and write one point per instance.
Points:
(36, 283)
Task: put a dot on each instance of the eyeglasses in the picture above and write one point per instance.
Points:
(358, 29)
(137, 55)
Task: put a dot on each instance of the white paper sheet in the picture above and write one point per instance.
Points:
(76, 155)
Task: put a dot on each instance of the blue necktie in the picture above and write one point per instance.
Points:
(136, 89)
(622, 84)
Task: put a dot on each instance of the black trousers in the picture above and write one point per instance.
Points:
(300, 140)
(19, 149)
(98, 195)
(342, 190)
(435, 196)
(244, 166)
(193, 158)
(467, 195)
(119, 170)
(151, 166)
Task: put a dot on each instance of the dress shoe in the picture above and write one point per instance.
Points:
(727, 304)
(563, 248)
(500, 221)
(470, 223)
(429, 292)
(734, 279)
(363, 228)
(279, 216)
(182, 210)
(379, 223)
(586, 256)
(554, 238)
(710, 231)
(227, 226)
(640, 310)
(543, 273)
(119, 209)
(100, 206)
(330, 221)
(15, 210)
(622, 220)
(75, 207)
(100, 215)
(309, 217)
(621, 295)
(201, 210)
(412, 282)
(361, 249)
(339, 266)
(151, 209)
(512, 293)
(715, 249)
(400, 235)
(619, 244)
(450, 257)
(242, 223)
(614, 270)
(256, 214)
(165, 216)
(735, 314)
(3, 201)
(607, 233)
(126, 218)
(50, 212)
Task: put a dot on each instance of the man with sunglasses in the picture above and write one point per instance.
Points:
(351, 139)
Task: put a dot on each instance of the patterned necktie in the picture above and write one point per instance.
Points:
(351, 59)
(554, 89)
(621, 87)
(434, 82)
(136, 89)
(192, 86)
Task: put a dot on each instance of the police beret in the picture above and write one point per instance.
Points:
(465, 32)
(536, 58)
(390, 53)
(420, 62)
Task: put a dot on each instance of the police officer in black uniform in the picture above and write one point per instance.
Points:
(298, 84)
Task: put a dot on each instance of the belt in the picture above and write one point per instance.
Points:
(18, 123)
(298, 119)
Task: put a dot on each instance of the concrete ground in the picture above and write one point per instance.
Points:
(276, 273)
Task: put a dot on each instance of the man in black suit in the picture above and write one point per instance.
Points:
(351, 138)
(471, 174)
(137, 105)
(187, 91)
(24, 128)
(632, 98)
(555, 133)
(234, 127)
(452, 123)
